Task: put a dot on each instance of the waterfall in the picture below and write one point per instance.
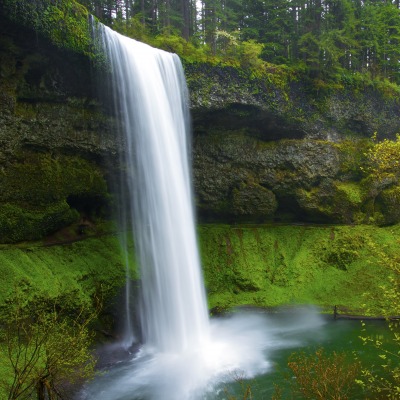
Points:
(151, 101)
(183, 355)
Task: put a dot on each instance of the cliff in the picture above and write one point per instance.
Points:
(265, 149)
(270, 148)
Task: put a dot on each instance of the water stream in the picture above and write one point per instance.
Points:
(152, 102)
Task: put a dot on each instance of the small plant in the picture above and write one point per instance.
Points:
(383, 379)
(384, 159)
(246, 393)
(323, 376)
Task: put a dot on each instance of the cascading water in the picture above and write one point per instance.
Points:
(183, 355)
(151, 98)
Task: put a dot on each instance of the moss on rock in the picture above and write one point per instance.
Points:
(20, 223)
(281, 265)
(388, 204)
(254, 200)
(42, 193)
(64, 23)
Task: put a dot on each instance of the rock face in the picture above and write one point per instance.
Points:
(280, 105)
(273, 149)
(263, 149)
(53, 137)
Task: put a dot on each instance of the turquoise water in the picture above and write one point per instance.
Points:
(335, 336)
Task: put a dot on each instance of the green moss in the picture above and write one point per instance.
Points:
(79, 267)
(42, 178)
(388, 203)
(351, 192)
(40, 192)
(352, 155)
(65, 23)
(256, 265)
(18, 223)
(341, 202)
(280, 265)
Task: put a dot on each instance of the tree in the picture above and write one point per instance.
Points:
(44, 344)
(383, 378)
(323, 376)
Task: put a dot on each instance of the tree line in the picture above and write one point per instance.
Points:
(323, 36)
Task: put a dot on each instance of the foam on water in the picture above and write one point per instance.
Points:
(239, 346)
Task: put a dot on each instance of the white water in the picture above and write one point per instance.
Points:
(153, 104)
(182, 355)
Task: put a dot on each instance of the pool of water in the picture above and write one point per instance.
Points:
(341, 335)
(247, 348)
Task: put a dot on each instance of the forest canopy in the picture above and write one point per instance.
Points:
(324, 37)
(344, 41)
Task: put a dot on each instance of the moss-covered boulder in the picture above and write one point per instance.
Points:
(254, 200)
(333, 201)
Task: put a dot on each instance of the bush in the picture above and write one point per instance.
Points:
(43, 345)
(323, 376)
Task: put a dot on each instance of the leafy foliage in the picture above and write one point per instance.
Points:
(323, 376)
(44, 344)
(384, 159)
(383, 379)
(64, 22)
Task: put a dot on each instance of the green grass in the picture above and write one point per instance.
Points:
(257, 265)
(260, 265)
(281, 265)
(79, 267)
(72, 274)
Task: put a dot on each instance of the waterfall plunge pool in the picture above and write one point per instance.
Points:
(248, 348)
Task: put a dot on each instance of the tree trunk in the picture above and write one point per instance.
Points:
(185, 19)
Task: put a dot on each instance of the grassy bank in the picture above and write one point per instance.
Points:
(257, 265)
(79, 266)
(59, 284)
(282, 265)
(261, 265)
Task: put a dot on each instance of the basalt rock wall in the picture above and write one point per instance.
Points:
(277, 149)
(54, 137)
(263, 148)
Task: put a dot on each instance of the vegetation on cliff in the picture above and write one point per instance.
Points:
(244, 178)
(65, 23)
(42, 193)
(275, 265)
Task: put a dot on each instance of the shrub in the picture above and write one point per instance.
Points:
(323, 376)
